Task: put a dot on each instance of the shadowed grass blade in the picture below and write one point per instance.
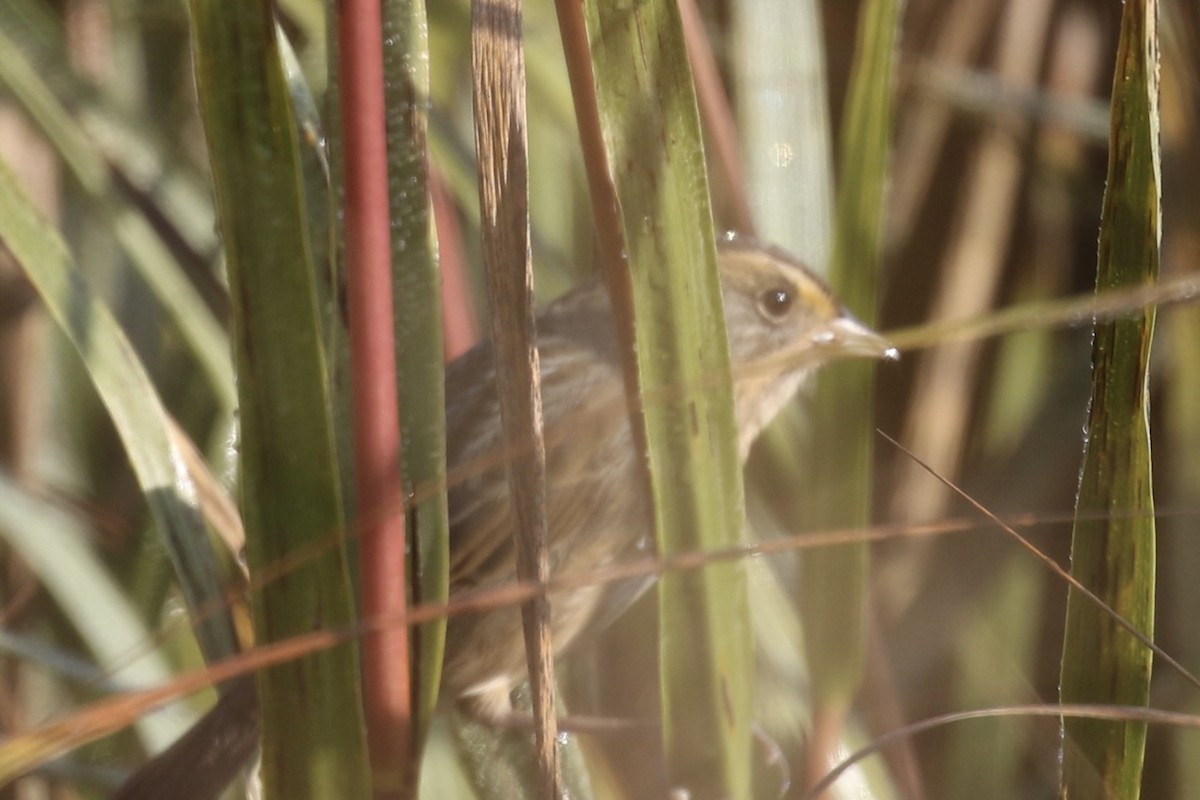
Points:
(313, 740)
(1115, 556)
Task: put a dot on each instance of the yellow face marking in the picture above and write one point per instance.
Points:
(816, 296)
(755, 271)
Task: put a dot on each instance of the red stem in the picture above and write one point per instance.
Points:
(387, 693)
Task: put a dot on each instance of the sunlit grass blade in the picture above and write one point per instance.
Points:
(650, 123)
(1115, 556)
(781, 85)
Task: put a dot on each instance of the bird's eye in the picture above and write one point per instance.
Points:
(776, 302)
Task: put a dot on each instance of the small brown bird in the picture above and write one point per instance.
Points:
(783, 323)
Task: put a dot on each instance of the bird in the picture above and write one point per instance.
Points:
(783, 322)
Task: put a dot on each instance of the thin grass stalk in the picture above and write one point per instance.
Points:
(602, 189)
(1115, 556)
(719, 123)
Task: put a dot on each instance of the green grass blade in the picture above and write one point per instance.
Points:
(418, 301)
(132, 230)
(127, 137)
(131, 400)
(834, 583)
(651, 128)
(312, 715)
(1115, 556)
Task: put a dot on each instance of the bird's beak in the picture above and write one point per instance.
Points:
(852, 338)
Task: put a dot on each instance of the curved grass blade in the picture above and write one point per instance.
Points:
(131, 400)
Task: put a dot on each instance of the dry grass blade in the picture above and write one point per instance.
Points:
(1072, 312)
(499, 101)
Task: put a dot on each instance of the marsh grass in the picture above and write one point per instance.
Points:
(959, 620)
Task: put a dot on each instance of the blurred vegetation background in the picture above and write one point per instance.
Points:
(995, 185)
